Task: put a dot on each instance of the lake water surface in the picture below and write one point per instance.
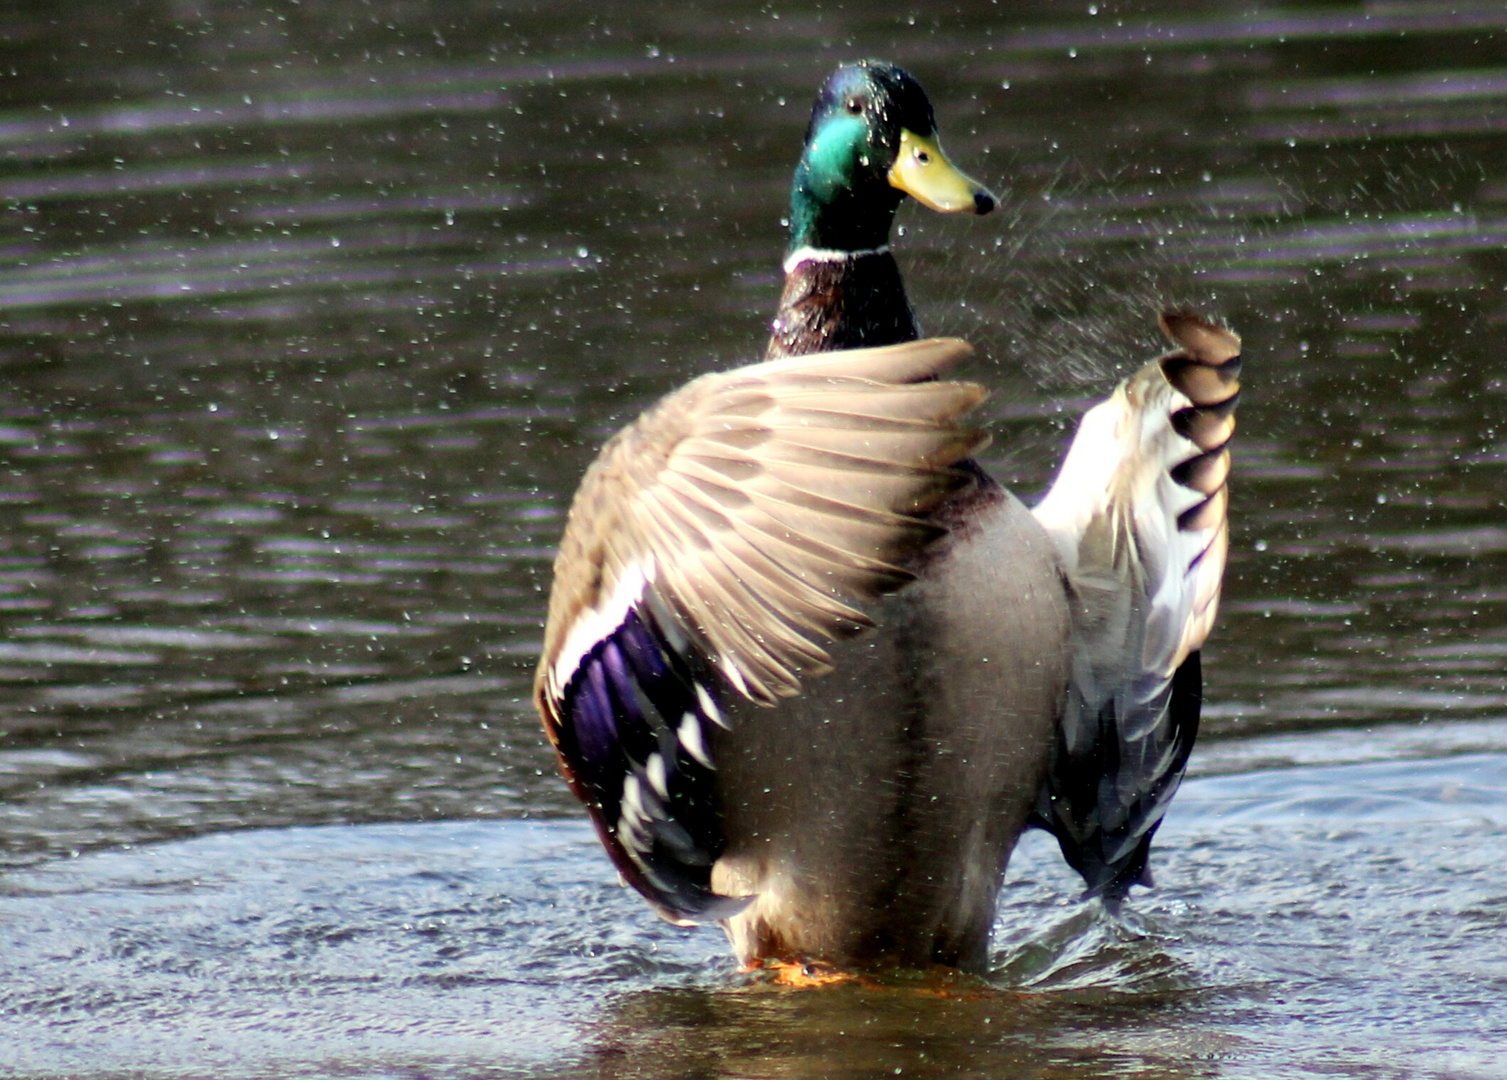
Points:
(311, 315)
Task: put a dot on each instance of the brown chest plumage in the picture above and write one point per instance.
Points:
(847, 303)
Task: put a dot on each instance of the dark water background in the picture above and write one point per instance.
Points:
(311, 316)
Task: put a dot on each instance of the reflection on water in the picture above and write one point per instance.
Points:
(507, 948)
(311, 316)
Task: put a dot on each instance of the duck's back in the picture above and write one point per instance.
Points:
(873, 815)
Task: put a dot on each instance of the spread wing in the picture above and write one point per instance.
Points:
(713, 548)
(1138, 514)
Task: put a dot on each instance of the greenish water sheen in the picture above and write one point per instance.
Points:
(311, 317)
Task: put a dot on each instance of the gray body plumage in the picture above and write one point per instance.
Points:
(873, 815)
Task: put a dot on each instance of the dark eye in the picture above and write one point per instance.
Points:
(855, 106)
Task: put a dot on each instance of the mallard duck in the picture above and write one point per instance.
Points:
(812, 671)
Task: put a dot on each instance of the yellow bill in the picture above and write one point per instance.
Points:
(924, 173)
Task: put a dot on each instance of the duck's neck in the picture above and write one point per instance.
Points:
(840, 300)
(842, 287)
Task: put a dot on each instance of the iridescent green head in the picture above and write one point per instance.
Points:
(872, 140)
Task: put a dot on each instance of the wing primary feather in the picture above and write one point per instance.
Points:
(1139, 513)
